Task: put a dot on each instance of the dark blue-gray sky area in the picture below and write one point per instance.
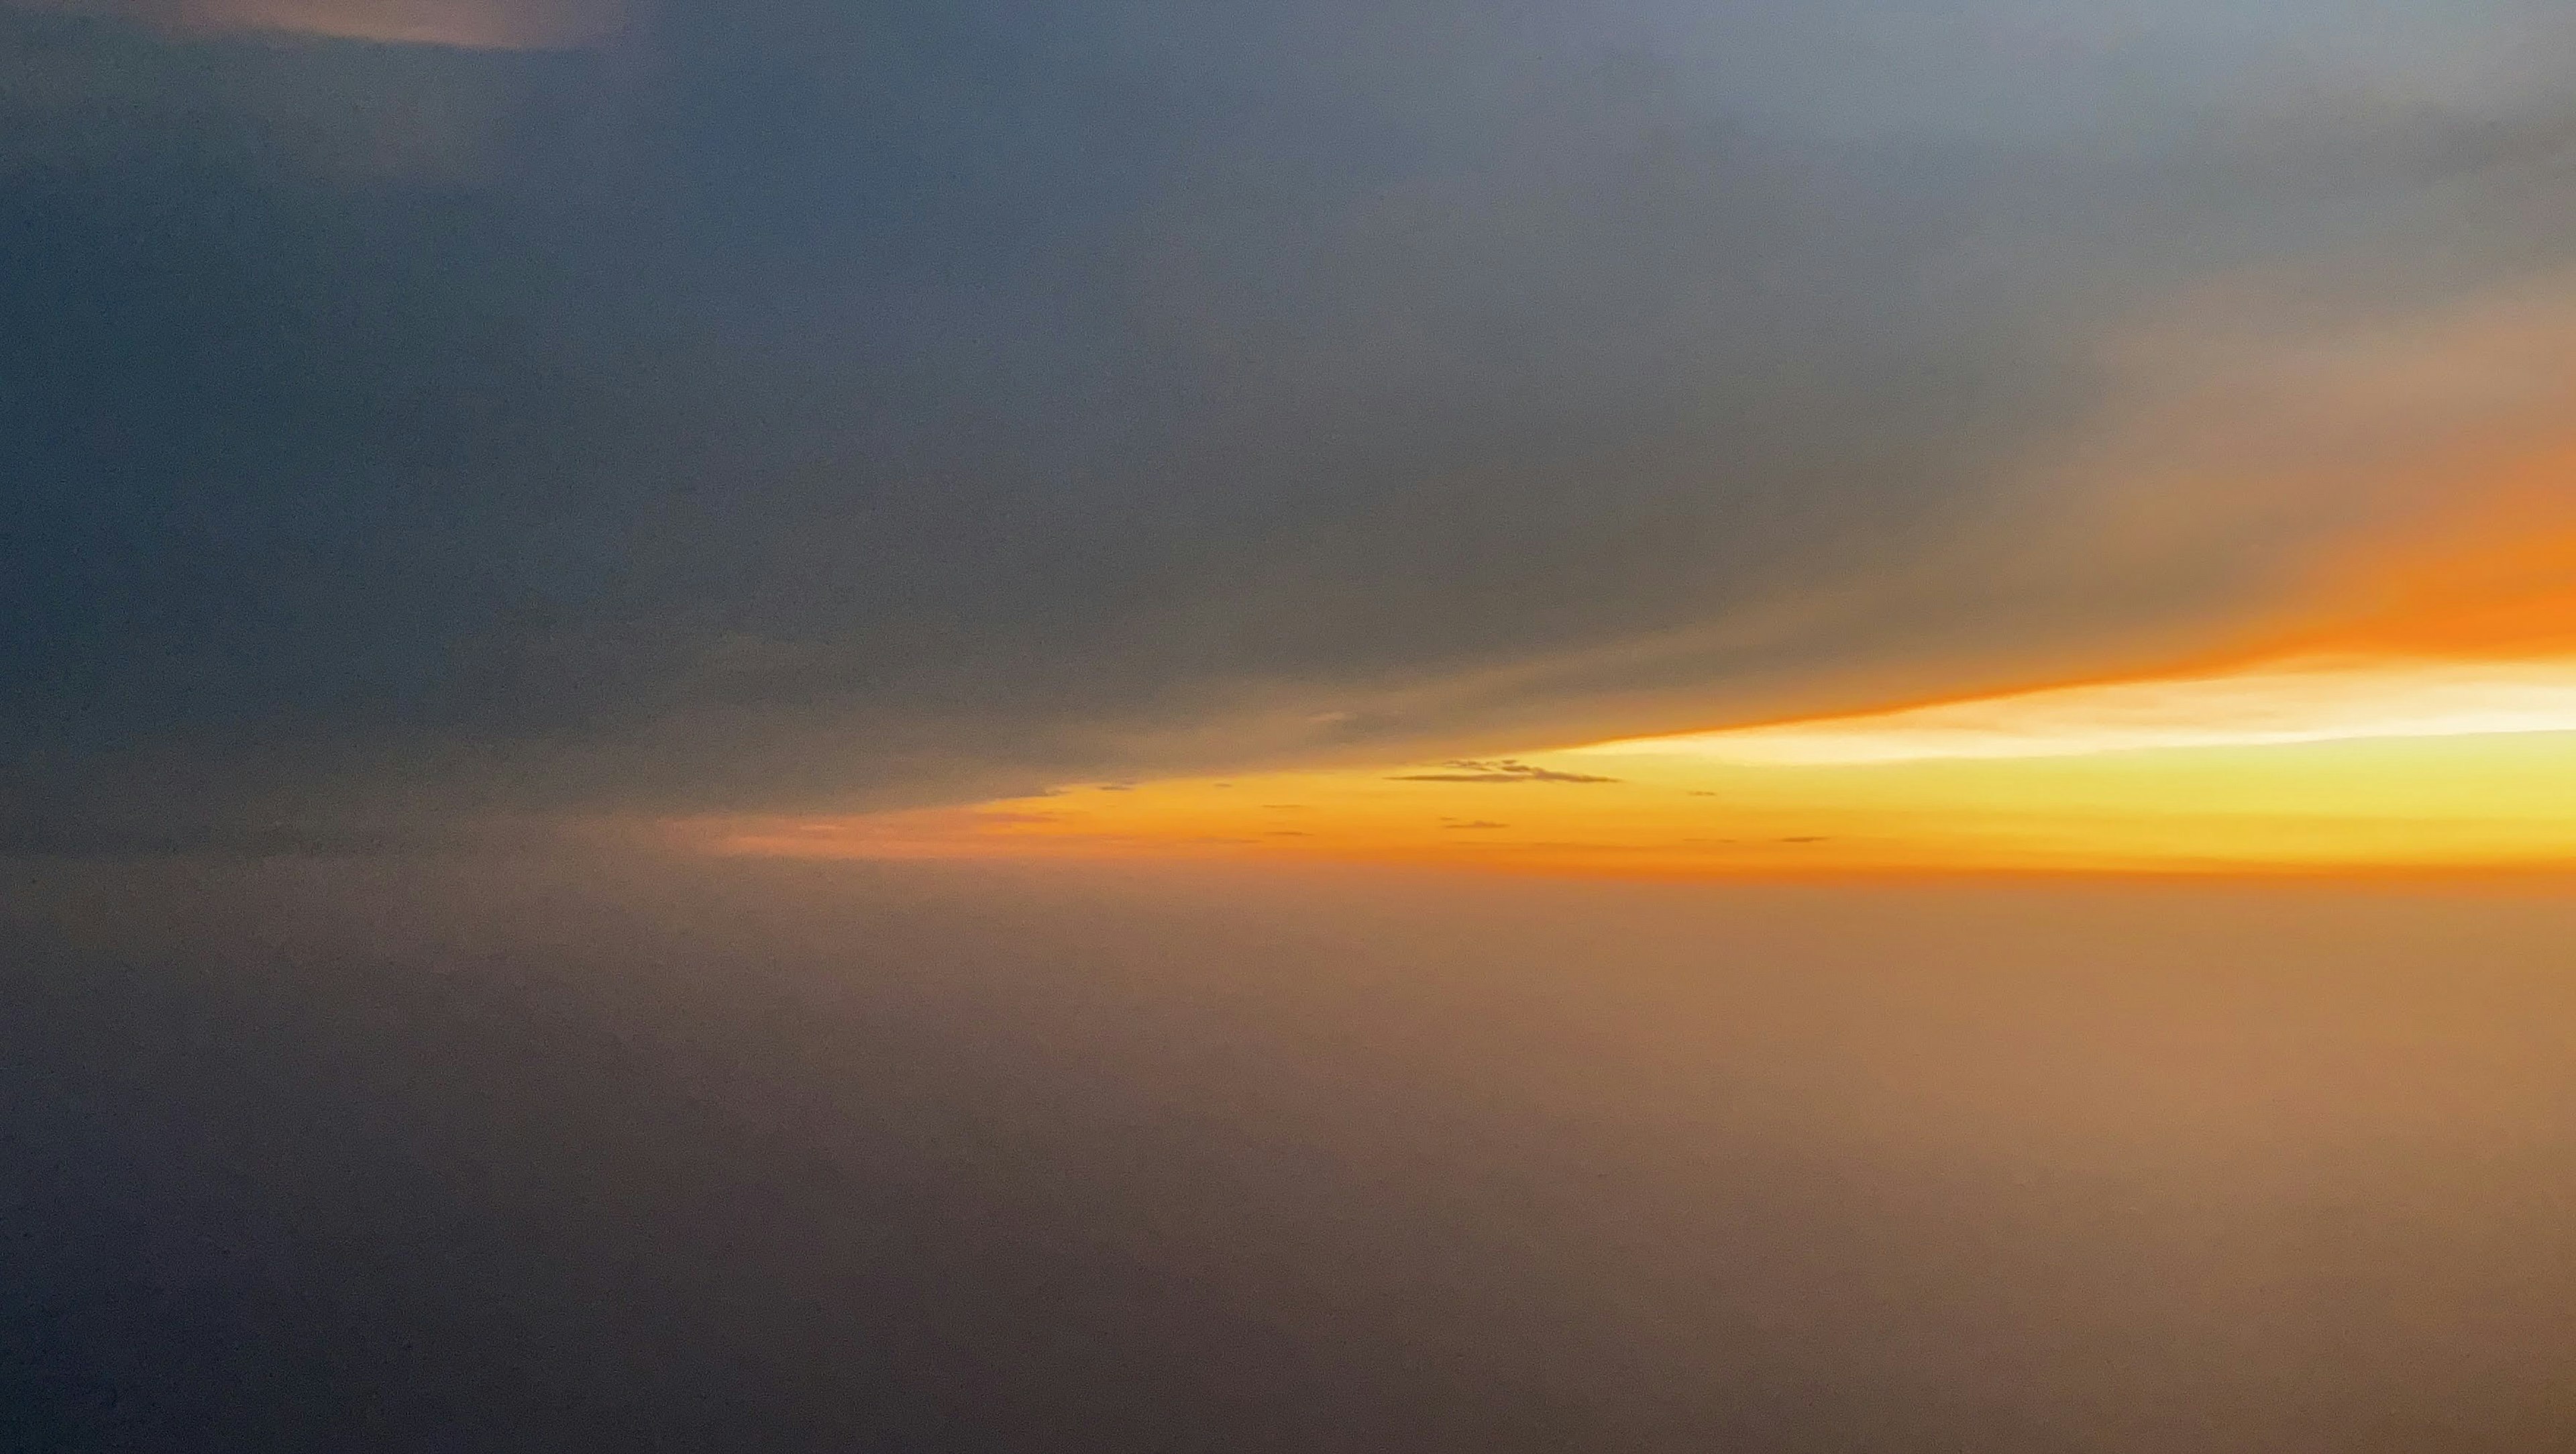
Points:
(791, 402)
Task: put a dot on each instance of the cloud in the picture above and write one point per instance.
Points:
(2272, 705)
(464, 24)
(108, 113)
(1504, 771)
(836, 404)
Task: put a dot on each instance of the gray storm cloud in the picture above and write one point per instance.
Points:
(828, 403)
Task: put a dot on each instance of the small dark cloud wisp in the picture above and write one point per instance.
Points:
(1497, 770)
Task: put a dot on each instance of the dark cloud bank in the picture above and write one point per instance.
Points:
(810, 403)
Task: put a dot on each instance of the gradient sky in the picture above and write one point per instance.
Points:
(1461, 728)
(433, 419)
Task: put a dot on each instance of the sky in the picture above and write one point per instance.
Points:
(441, 421)
(1334, 724)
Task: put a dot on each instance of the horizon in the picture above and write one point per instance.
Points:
(1031, 725)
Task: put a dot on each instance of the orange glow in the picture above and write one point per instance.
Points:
(2441, 803)
(2495, 580)
(2415, 710)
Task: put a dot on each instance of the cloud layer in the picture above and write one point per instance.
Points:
(463, 24)
(839, 403)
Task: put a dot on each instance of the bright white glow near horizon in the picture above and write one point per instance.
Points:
(2320, 700)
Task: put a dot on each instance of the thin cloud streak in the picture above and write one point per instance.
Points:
(1468, 770)
(461, 24)
(2282, 704)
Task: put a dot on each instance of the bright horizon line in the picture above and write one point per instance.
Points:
(2292, 765)
(2283, 702)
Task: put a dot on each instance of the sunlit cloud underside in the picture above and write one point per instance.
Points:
(2283, 704)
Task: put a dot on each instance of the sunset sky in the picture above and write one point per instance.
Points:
(1285, 726)
(468, 419)
(2401, 696)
